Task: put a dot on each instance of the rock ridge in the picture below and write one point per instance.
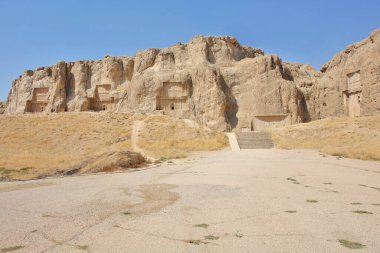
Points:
(213, 80)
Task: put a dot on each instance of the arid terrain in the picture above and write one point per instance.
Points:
(161, 195)
(194, 127)
(213, 80)
(269, 200)
(37, 146)
(348, 137)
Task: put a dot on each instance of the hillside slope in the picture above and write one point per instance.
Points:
(35, 146)
(349, 137)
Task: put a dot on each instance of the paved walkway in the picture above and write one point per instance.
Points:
(234, 145)
(248, 201)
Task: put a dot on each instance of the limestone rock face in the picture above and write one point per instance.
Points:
(213, 80)
(305, 78)
(350, 82)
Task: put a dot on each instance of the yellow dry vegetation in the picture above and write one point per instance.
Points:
(165, 137)
(33, 146)
(347, 137)
(37, 145)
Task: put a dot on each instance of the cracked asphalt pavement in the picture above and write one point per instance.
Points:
(248, 201)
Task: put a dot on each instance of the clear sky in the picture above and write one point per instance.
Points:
(36, 33)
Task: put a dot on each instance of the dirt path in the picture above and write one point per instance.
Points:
(136, 127)
(253, 200)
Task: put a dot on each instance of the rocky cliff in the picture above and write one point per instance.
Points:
(350, 82)
(213, 80)
(2, 107)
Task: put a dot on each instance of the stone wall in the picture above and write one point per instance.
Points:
(263, 122)
(39, 100)
(173, 99)
(102, 99)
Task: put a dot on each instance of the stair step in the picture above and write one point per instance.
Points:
(255, 143)
(254, 140)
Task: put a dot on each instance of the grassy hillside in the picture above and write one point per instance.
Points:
(168, 137)
(36, 146)
(348, 137)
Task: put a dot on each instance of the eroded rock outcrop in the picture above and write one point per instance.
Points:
(213, 80)
(2, 107)
(350, 82)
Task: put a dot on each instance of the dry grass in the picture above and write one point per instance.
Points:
(39, 145)
(115, 161)
(36, 146)
(173, 138)
(347, 137)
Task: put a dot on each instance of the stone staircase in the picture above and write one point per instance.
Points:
(254, 140)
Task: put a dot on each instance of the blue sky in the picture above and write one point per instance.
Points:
(42, 32)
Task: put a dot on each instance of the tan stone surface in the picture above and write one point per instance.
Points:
(358, 64)
(222, 84)
(212, 80)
